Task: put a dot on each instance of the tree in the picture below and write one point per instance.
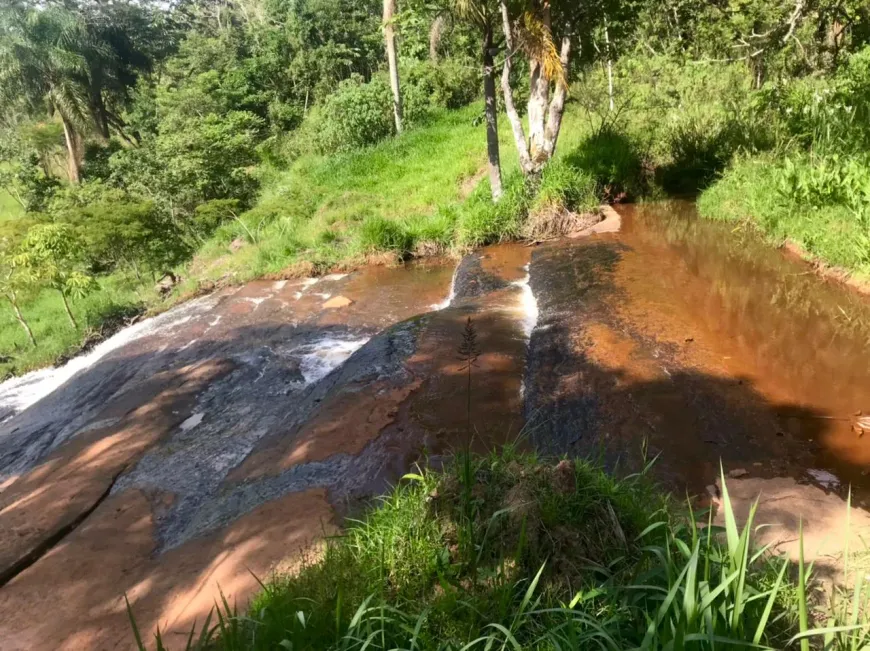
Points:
(12, 283)
(483, 15)
(50, 253)
(548, 66)
(42, 63)
(390, 38)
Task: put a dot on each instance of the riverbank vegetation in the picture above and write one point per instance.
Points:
(512, 552)
(179, 147)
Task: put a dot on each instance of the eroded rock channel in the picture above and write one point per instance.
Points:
(218, 439)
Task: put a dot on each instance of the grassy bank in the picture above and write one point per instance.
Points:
(804, 200)
(422, 193)
(508, 551)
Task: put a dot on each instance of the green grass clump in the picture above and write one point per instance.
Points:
(511, 552)
(796, 199)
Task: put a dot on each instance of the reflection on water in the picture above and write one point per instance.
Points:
(732, 306)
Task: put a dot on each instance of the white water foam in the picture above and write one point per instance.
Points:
(450, 295)
(19, 393)
(318, 358)
(528, 304)
(333, 277)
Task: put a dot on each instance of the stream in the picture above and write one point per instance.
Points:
(229, 432)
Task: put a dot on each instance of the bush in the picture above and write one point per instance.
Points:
(357, 114)
(428, 86)
(193, 160)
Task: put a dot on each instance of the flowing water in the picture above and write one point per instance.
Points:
(222, 435)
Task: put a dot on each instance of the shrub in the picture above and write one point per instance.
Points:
(357, 114)
(428, 86)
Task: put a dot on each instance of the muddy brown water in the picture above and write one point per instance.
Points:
(235, 430)
(706, 343)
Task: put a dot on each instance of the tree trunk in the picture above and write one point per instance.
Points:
(539, 94)
(101, 117)
(557, 106)
(72, 150)
(491, 115)
(511, 110)
(69, 313)
(609, 65)
(390, 38)
(436, 31)
(14, 301)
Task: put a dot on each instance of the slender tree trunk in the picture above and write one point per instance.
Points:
(13, 299)
(557, 106)
(609, 65)
(101, 117)
(539, 95)
(491, 115)
(436, 31)
(72, 150)
(511, 110)
(69, 313)
(390, 38)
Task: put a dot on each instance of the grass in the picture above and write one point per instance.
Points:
(9, 208)
(758, 190)
(424, 192)
(509, 551)
(97, 314)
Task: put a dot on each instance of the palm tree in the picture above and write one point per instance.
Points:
(484, 15)
(43, 61)
(531, 29)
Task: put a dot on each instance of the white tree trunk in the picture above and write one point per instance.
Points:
(390, 38)
(511, 110)
(557, 106)
(491, 111)
(436, 31)
(539, 95)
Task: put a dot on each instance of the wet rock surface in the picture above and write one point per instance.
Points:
(232, 431)
(162, 464)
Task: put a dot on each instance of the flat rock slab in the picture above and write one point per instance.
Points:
(337, 301)
(45, 503)
(73, 598)
(784, 505)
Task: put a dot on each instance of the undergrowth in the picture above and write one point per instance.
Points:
(508, 551)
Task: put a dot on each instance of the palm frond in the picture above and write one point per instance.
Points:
(535, 38)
